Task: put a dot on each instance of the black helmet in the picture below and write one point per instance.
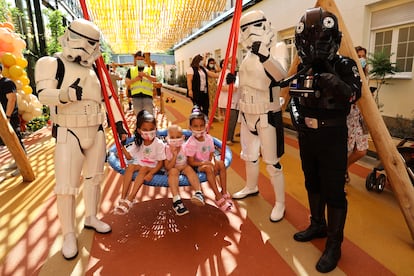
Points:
(317, 36)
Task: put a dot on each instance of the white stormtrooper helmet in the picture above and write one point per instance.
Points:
(80, 42)
(255, 27)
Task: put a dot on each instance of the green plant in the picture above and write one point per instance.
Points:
(381, 68)
(56, 29)
(39, 122)
(182, 81)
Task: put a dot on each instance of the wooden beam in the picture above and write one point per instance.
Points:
(391, 159)
(12, 142)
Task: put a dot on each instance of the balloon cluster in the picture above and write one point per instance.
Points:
(14, 64)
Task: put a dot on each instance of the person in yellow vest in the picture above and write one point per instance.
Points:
(139, 79)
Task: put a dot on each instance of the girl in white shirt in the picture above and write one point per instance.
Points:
(146, 156)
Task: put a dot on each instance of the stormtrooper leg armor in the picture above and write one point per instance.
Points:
(277, 180)
(252, 175)
(91, 195)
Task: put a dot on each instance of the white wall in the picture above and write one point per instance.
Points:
(398, 98)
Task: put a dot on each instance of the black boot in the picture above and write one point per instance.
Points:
(332, 252)
(317, 228)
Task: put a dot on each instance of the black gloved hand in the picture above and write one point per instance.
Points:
(77, 89)
(121, 132)
(332, 84)
(262, 52)
(230, 78)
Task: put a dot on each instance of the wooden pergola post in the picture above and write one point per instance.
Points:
(10, 139)
(386, 149)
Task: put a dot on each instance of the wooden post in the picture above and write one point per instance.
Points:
(10, 139)
(387, 151)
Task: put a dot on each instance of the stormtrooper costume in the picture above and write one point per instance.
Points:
(261, 127)
(69, 85)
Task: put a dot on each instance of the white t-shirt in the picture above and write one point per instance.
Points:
(148, 156)
(222, 102)
(203, 78)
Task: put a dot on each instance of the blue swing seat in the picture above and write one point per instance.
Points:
(160, 179)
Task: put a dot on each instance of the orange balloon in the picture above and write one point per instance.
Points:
(24, 80)
(27, 89)
(15, 72)
(22, 62)
(8, 59)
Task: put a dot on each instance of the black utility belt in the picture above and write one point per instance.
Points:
(316, 123)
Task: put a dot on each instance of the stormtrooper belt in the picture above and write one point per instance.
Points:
(78, 120)
(318, 123)
(259, 108)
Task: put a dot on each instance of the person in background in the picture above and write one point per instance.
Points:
(212, 84)
(139, 80)
(357, 130)
(234, 108)
(197, 83)
(8, 99)
(320, 119)
(176, 164)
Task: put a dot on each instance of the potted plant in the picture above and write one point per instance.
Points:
(381, 69)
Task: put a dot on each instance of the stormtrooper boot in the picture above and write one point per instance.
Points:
(278, 182)
(252, 175)
(91, 194)
(66, 212)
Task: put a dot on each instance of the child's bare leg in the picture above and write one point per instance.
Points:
(139, 180)
(220, 167)
(173, 175)
(211, 178)
(127, 180)
(192, 178)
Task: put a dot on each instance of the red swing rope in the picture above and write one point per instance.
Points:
(231, 45)
(104, 75)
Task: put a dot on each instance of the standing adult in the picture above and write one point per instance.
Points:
(8, 99)
(69, 85)
(319, 111)
(261, 131)
(212, 84)
(139, 80)
(197, 83)
(234, 107)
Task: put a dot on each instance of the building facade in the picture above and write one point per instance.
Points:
(376, 25)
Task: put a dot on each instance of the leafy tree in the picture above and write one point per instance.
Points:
(381, 68)
(56, 29)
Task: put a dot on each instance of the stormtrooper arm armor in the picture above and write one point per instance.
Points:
(276, 65)
(47, 84)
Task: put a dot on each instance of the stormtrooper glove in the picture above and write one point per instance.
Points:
(261, 51)
(73, 93)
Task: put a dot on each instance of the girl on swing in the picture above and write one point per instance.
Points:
(146, 156)
(200, 153)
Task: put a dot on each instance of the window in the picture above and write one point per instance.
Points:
(399, 43)
(393, 32)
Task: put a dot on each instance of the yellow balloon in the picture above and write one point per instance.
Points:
(22, 62)
(27, 89)
(15, 72)
(24, 80)
(8, 59)
(5, 72)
